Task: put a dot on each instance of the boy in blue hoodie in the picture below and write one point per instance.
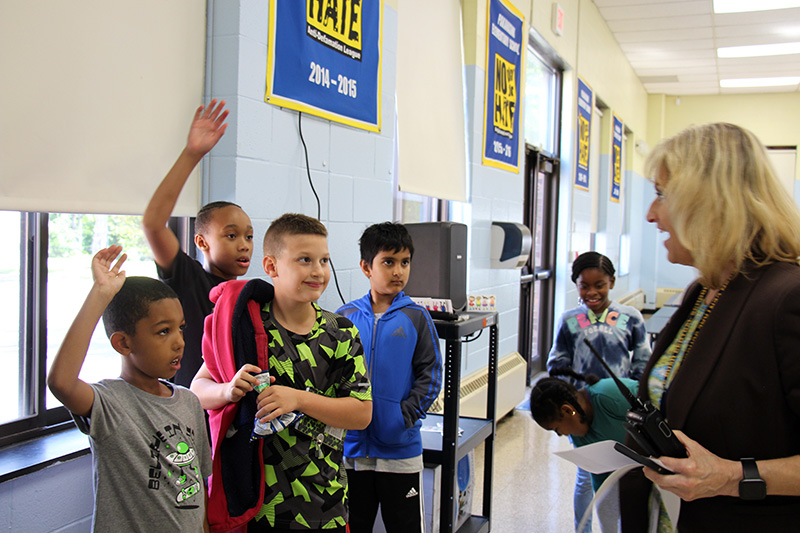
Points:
(401, 348)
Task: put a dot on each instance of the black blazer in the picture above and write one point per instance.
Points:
(737, 393)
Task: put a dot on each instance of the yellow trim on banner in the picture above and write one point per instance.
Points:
(312, 110)
(524, 45)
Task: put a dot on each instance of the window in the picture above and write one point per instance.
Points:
(10, 319)
(541, 91)
(45, 275)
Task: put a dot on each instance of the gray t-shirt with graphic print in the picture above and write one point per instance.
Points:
(150, 456)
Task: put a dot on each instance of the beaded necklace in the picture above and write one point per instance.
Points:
(683, 343)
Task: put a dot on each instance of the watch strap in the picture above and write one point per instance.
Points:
(750, 469)
(751, 487)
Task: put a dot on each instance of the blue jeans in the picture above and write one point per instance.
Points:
(582, 498)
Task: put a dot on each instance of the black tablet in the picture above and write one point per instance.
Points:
(641, 459)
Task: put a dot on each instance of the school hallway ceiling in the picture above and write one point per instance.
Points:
(672, 46)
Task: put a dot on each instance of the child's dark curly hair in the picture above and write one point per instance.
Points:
(549, 394)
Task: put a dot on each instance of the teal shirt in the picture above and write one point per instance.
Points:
(610, 407)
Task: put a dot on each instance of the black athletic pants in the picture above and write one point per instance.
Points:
(399, 496)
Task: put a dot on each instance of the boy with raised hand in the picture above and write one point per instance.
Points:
(223, 232)
(401, 348)
(291, 479)
(150, 453)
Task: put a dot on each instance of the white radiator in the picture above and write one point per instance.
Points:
(634, 299)
(511, 371)
(665, 293)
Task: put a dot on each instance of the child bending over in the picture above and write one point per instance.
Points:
(587, 415)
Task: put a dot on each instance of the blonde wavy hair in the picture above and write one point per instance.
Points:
(725, 203)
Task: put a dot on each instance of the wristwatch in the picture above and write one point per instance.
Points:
(751, 487)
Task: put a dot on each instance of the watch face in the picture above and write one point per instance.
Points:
(752, 489)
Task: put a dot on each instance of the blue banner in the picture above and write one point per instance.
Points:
(324, 58)
(585, 104)
(616, 161)
(505, 45)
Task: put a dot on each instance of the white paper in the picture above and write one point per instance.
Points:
(601, 457)
(597, 458)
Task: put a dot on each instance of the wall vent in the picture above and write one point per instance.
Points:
(634, 299)
(511, 371)
(665, 293)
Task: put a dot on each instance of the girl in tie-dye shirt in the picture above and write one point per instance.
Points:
(616, 331)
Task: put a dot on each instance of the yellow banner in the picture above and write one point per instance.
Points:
(505, 96)
(339, 20)
(583, 137)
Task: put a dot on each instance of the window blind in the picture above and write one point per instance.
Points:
(97, 100)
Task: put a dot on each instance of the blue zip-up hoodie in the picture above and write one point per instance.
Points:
(405, 368)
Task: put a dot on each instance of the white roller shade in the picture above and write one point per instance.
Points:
(430, 99)
(97, 100)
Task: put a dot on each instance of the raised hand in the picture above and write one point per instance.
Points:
(108, 279)
(207, 127)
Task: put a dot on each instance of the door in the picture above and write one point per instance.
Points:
(537, 283)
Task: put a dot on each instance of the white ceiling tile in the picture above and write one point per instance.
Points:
(665, 39)
(664, 35)
(707, 63)
(662, 23)
(702, 77)
(663, 9)
(781, 16)
(746, 40)
(765, 71)
(688, 44)
(671, 55)
(683, 88)
(776, 32)
(680, 71)
(787, 62)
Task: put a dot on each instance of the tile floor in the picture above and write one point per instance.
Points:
(532, 489)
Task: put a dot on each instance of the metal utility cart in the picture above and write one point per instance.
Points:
(449, 449)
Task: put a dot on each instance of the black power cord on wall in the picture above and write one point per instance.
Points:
(319, 205)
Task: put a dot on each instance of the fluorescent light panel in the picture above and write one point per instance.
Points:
(741, 6)
(759, 50)
(759, 82)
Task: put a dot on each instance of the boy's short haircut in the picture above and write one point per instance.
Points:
(386, 236)
(206, 215)
(290, 224)
(132, 303)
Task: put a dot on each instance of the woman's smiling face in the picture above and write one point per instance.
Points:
(658, 214)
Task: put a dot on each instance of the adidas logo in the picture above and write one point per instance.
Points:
(413, 492)
(399, 332)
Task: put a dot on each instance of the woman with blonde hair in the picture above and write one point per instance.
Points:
(726, 368)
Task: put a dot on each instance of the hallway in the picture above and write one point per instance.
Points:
(532, 488)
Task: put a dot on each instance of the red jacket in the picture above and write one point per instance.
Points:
(233, 336)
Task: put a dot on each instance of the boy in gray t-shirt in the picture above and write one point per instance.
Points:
(150, 454)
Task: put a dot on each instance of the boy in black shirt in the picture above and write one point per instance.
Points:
(223, 232)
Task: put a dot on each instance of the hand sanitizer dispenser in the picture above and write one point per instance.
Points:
(511, 245)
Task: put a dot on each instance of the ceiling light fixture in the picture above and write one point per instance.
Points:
(741, 6)
(759, 82)
(759, 50)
